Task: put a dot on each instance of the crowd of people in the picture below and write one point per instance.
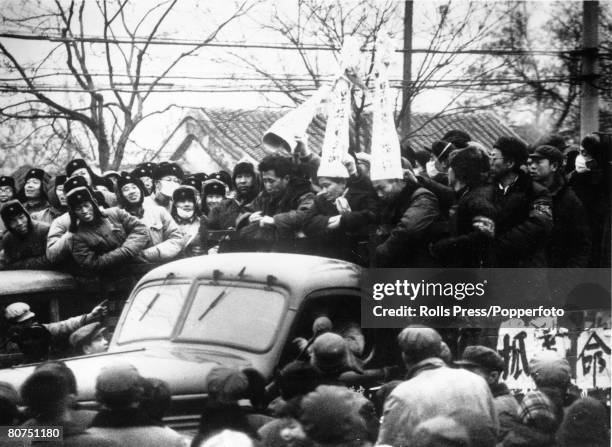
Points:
(459, 204)
(437, 402)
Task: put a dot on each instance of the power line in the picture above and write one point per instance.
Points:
(274, 46)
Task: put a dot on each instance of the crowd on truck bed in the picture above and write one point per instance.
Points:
(459, 204)
(436, 401)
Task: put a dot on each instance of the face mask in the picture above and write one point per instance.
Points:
(184, 214)
(430, 166)
(168, 188)
(581, 164)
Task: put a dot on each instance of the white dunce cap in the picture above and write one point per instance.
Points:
(333, 169)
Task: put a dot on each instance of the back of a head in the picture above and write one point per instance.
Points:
(459, 138)
(418, 343)
(512, 148)
(281, 166)
(62, 369)
(335, 415)
(9, 399)
(585, 423)
(119, 386)
(549, 369)
(463, 428)
(469, 165)
(156, 398)
(227, 385)
(228, 438)
(45, 391)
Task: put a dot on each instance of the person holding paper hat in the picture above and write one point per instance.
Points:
(570, 244)
(281, 208)
(32, 194)
(168, 177)
(57, 201)
(187, 214)
(342, 212)
(25, 241)
(103, 239)
(165, 235)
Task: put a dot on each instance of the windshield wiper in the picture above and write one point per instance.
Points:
(157, 295)
(221, 295)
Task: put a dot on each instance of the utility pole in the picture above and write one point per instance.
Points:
(407, 75)
(589, 100)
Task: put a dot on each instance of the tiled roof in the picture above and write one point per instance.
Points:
(239, 131)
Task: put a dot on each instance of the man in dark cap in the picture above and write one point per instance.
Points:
(7, 188)
(332, 357)
(23, 322)
(431, 389)
(145, 172)
(103, 239)
(89, 339)
(57, 201)
(166, 237)
(25, 241)
(168, 177)
(570, 244)
(523, 207)
(489, 365)
(119, 388)
(187, 214)
(32, 195)
(246, 184)
(79, 167)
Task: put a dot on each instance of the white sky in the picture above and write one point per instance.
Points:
(191, 19)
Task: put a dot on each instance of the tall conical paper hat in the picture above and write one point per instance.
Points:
(336, 142)
(294, 123)
(386, 159)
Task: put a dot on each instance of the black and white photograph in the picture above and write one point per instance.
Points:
(305, 223)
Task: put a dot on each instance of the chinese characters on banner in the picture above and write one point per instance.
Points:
(587, 350)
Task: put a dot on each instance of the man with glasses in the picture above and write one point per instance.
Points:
(523, 207)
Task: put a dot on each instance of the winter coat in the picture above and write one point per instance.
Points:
(444, 193)
(34, 206)
(350, 239)
(433, 390)
(190, 229)
(27, 252)
(592, 188)
(166, 237)
(132, 428)
(524, 222)
(62, 329)
(570, 240)
(54, 210)
(59, 240)
(222, 217)
(467, 247)
(116, 239)
(506, 406)
(289, 212)
(408, 223)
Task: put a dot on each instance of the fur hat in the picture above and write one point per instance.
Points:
(214, 186)
(165, 169)
(6, 180)
(12, 209)
(126, 180)
(36, 173)
(77, 163)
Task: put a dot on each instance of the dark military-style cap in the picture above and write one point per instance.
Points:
(36, 173)
(481, 357)
(12, 209)
(165, 168)
(6, 180)
(77, 163)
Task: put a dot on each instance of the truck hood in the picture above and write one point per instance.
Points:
(184, 370)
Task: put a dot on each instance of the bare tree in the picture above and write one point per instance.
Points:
(448, 33)
(104, 121)
(542, 79)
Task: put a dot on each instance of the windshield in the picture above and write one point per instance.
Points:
(154, 312)
(245, 317)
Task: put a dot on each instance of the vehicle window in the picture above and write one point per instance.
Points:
(154, 312)
(245, 317)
